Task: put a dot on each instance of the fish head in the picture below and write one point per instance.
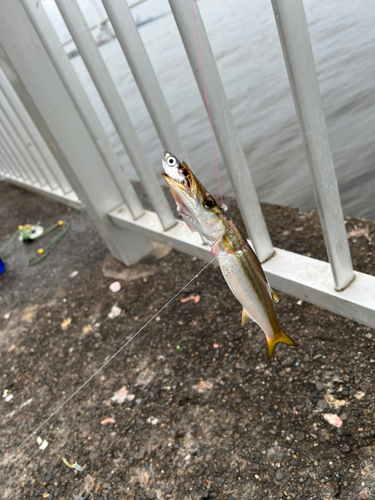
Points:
(197, 207)
(173, 167)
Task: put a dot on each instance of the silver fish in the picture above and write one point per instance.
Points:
(240, 266)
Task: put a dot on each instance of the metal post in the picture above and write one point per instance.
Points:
(73, 85)
(38, 161)
(94, 62)
(32, 170)
(37, 139)
(131, 43)
(299, 60)
(223, 124)
(59, 119)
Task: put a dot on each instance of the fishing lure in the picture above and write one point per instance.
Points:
(240, 266)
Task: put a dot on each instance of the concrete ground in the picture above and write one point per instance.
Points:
(195, 408)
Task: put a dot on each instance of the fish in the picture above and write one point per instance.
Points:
(239, 264)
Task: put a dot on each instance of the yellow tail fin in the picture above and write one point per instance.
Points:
(280, 338)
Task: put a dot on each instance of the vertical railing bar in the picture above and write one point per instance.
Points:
(299, 60)
(223, 124)
(5, 164)
(13, 153)
(27, 141)
(22, 114)
(31, 169)
(131, 43)
(4, 171)
(108, 92)
(8, 155)
(76, 91)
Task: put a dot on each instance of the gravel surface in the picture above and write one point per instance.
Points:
(201, 412)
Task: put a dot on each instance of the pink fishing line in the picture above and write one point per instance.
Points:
(208, 107)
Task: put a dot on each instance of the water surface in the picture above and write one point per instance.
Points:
(245, 42)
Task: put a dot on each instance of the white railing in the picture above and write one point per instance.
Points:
(71, 156)
(25, 158)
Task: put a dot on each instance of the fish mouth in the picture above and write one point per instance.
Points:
(177, 188)
(184, 198)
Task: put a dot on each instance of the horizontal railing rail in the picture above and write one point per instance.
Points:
(43, 103)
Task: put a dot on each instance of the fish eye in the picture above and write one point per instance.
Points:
(209, 202)
(171, 161)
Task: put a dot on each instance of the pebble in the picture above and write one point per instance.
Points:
(152, 420)
(322, 404)
(115, 311)
(294, 463)
(279, 475)
(47, 478)
(42, 443)
(115, 287)
(306, 358)
(106, 486)
(300, 436)
(333, 419)
(203, 494)
(94, 456)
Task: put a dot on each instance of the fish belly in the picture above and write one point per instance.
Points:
(246, 287)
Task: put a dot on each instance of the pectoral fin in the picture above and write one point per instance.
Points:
(280, 338)
(246, 317)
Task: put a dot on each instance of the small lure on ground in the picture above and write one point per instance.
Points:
(240, 266)
(73, 466)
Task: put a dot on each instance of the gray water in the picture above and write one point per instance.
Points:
(245, 42)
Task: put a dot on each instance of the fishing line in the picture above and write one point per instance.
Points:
(108, 361)
(208, 107)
